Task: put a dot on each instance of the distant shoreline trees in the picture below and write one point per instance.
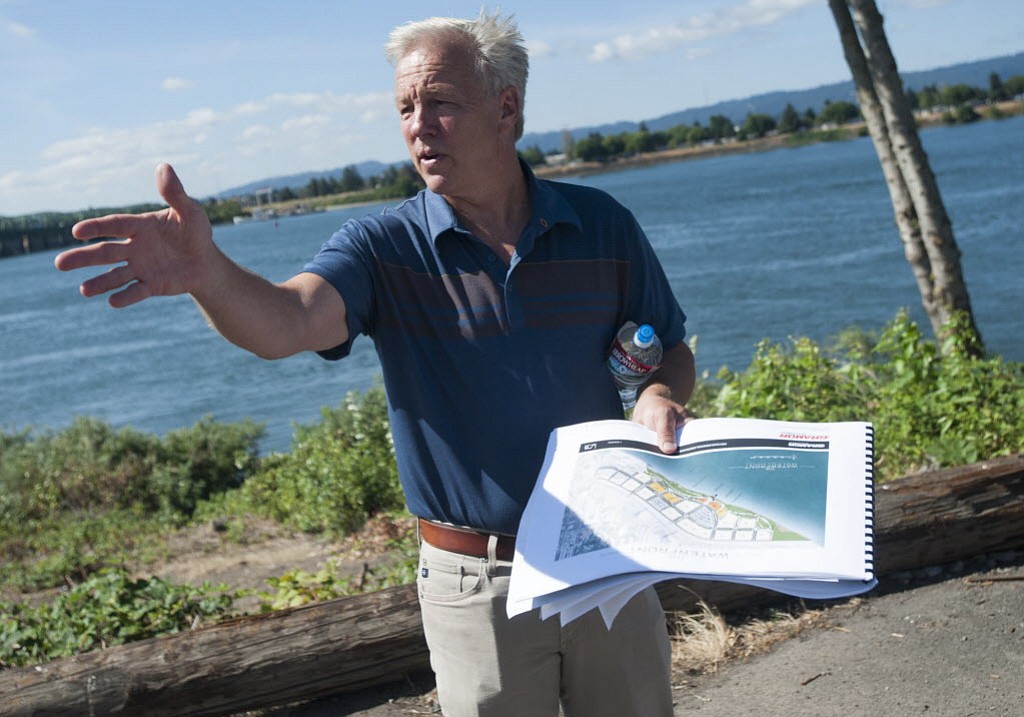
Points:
(954, 104)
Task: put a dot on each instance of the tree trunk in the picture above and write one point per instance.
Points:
(903, 207)
(936, 259)
(340, 645)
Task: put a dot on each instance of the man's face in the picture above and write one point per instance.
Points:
(452, 126)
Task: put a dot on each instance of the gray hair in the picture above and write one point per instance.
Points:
(494, 42)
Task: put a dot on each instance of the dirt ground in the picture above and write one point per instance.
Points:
(208, 553)
(944, 640)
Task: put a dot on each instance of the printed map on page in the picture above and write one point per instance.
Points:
(711, 495)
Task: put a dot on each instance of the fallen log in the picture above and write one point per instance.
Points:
(341, 645)
(251, 662)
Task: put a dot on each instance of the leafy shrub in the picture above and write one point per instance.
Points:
(929, 408)
(48, 553)
(108, 609)
(76, 500)
(88, 465)
(797, 383)
(91, 466)
(206, 459)
(946, 410)
(338, 473)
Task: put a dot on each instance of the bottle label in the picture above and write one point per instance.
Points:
(628, 364)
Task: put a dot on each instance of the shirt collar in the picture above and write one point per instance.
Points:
(547, 208)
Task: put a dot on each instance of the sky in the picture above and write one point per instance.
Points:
(93, 95)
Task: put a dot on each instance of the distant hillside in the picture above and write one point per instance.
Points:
(366, 170)
(975, 74)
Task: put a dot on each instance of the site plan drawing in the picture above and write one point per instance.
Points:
(782, 505)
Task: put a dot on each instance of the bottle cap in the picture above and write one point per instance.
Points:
(644, 336)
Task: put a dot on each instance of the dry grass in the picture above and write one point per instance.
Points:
(703, 641)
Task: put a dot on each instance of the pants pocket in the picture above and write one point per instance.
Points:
(445, 577)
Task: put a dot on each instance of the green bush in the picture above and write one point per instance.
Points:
(86, 497)
(108, 609)
(929, 408)
(90, 466)
(49, 553)
(206, 459)
(338, 473)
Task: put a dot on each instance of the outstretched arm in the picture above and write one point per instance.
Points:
(172, 252)
(661, 404)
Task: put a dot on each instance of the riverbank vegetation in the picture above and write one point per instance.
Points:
(85, 509)
(953, 104)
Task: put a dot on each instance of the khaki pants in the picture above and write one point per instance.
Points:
(487, 664)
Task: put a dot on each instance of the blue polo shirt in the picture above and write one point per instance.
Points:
(481, 360)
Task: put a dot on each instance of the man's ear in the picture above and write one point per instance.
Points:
(510, 104)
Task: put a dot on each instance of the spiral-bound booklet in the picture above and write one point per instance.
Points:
(783, 505)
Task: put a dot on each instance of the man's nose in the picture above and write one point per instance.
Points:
(422, 122)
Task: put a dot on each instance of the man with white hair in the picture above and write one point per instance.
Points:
(492, 298)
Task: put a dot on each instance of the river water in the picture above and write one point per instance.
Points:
(792, 242)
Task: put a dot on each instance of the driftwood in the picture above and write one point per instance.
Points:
(341, 645)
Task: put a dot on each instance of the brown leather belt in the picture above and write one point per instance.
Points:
(464, 541)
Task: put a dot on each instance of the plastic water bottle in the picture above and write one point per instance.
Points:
(634, 356)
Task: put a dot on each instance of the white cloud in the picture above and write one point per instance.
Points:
(104, 155)
(297, 99)
(98, 164)
(320, 102)
(255, 131)
(250, 108)
(202, 117)
(752, 13)
(172, 84)
(375, 115)
(538, 49)
(300, 123)
(101, 148)
(10, 181)
(108, 165)
(16, 29)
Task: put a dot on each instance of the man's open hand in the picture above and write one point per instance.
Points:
(161, 253)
